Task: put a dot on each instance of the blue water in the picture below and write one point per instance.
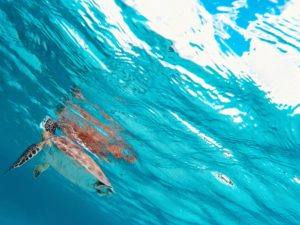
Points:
(200, 87)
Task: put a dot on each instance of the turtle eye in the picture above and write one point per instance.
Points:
(48, 124)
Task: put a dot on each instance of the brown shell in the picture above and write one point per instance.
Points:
(76, 153)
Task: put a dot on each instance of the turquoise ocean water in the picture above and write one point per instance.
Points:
(201, 88)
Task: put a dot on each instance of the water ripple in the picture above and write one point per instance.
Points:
(206, 92)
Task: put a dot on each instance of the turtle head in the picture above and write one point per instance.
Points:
(49, 125)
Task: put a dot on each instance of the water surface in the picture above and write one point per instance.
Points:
(201, 88)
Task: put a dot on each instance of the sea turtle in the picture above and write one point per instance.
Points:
(67, 158)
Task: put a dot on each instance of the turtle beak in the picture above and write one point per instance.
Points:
(42, 124)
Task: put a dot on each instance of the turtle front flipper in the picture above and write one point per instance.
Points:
(39, 169)
(29, 153)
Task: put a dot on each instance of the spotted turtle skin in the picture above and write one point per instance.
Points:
(29, 153)
(50, 126)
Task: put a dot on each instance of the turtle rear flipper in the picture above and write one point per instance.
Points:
(29, 153)
(102, 189)
(39, 169)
